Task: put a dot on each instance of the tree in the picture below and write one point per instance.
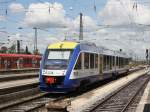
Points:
(12, 49)
(27, 51)
(4, 49)
(36, 52)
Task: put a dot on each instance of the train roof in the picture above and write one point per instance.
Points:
(19, 55)
(91, 47)
(63, 45)
(86, 46)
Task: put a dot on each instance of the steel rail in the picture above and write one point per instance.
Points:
(116, 92)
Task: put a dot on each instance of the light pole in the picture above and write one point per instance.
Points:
(35, 50)
(81, 27)
(35, 41)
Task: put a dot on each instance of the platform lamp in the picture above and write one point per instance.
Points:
(147, 56)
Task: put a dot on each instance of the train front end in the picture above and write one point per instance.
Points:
(54, 67)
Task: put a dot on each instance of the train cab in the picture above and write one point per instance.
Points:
(55, 63)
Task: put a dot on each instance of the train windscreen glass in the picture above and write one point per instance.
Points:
(58, 59)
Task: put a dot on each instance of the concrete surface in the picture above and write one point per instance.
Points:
(145, 99)
(85, 101)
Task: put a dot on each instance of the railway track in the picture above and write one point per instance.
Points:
(16, 101)
(32, 103)
(18, 71)
(11, 77)
(32, 100)
(125, 99)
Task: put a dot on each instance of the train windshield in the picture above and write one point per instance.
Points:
(57, 59)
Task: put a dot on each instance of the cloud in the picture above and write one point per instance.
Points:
(88, 24)
(2, 18)
(16, 8)
(46, 15)
(133, 42)
(118, 12)
(124, 30)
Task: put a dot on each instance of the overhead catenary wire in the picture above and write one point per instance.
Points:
(130, 18)
(6, 1)
(95, 9)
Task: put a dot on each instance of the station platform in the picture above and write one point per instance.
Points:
(16, 71)
(144, 105)
(21, 69)
(10, 84)
(85, 101)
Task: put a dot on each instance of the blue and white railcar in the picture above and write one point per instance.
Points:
(68, 65)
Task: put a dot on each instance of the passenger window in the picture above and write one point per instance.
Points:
(108, 63)
(96, 60)
(113, 60)
(86, 61)
(78, 64)
(105, 62)
(117, 61)
(91, 60)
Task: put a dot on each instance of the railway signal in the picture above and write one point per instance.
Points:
(147, 55)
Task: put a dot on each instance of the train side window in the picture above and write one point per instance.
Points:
(117, 61)
(127, 61)
(113, 61)
(96, 60)
(91, 60)
(108, 63)
(105, 62)
(121, 61)
(78, 63)
(86, 60)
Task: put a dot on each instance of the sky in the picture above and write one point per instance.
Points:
(115, 24)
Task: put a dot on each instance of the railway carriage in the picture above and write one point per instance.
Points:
(67, 65)
(18, 61)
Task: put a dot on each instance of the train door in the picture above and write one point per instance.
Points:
(113, 62)
(96, 62)
(79, 67)
(0, 63)
(100, 60)
(82, 63)
(117, 62)
(107, 63)
(33, 63)
(110, 62)
(21, 63)
(104, 62)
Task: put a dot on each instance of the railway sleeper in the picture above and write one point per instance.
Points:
(58, 105)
